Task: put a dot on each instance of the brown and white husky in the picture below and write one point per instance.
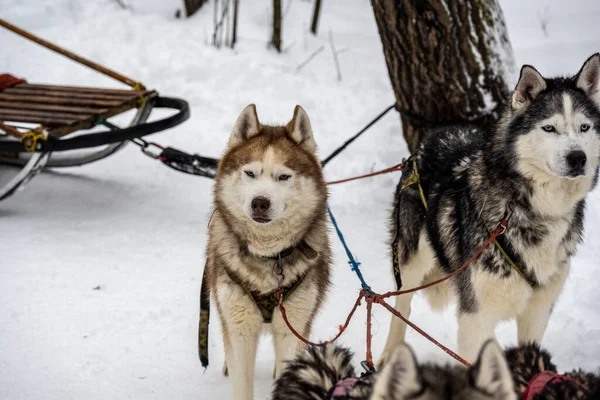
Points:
(268, 231)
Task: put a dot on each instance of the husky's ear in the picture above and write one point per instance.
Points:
(530, 84)
(245, 127)
(300, 130)
(588, 78)
(491, 373)
(400, 377)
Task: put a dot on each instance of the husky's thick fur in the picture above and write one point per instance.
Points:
(315, 374)
(269, 198)
(541, 157)
(527, 361)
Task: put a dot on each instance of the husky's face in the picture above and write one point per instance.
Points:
(269, 180)
(402, 378)
(556, 123)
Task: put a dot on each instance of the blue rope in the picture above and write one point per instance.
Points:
(353, 263)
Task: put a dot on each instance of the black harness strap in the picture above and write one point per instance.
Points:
(204, 320)
(266, 303)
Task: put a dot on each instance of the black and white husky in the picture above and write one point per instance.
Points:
(537, 165)
(327, 373)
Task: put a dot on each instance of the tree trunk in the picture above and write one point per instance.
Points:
(235, 19)
(315, 18)
(191, 6)
(276, 39)
(449, 61)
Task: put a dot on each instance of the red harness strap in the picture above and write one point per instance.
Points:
(8, 80)
(544, 378)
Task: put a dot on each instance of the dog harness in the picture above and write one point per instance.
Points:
(545, 378)
(501, 242)
(266, 303)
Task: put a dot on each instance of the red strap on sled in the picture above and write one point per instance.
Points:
(544, 378)
(8, 80)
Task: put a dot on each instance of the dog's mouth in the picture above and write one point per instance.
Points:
(261, 220)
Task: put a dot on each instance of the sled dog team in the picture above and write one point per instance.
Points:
(269, 232)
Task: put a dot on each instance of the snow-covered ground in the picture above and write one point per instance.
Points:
(100, 266)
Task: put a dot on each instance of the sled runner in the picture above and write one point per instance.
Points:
(49, 125)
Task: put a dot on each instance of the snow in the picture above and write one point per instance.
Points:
(101, 265)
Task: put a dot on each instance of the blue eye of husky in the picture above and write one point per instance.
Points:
(549, 128)
(249, 173)
(584, 127)
(283, 177)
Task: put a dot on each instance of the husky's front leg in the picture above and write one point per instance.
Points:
(243, 324)
(474, 329)
(300, 308)
(533, 321)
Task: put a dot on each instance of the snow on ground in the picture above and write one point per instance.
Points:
(101, 265)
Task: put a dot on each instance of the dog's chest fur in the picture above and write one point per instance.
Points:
(227, 252)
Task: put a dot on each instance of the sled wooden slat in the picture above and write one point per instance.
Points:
(64, 101)
(73, 95)
(46, 121)
(52, 107)
(42, 113)
(65, 109)
(81, 89)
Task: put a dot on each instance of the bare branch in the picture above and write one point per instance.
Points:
(335, 56)
(315, 18)
(219, 25)
(235, 19)
(313, 55)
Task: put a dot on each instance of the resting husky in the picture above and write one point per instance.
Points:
(535, 376)
(537, 166)
(268, 231)
(327, 373)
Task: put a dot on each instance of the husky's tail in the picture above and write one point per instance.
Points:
(525, 362)
(313, 374)
(203, 321)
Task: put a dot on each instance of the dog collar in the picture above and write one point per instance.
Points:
(303, 247)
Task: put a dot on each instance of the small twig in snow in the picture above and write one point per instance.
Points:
(289, 47)
(544, 21)
(335, 56)
(340, 51)
(313, 55)
(122, 4)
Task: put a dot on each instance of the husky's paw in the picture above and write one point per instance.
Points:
(225, 369)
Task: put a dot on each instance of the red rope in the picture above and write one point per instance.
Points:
(342, 328)
(422, 332)
(371, 298)
(397, 167)
(369, 356)
(499, 229)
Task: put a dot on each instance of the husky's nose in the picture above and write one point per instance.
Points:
(576, 160)
(260, 205)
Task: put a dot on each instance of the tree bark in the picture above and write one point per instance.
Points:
(276, 38)
(191, 6)
(315, 18)
(448, 61)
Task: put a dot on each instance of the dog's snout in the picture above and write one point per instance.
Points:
(260, 204)
(576, 160)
